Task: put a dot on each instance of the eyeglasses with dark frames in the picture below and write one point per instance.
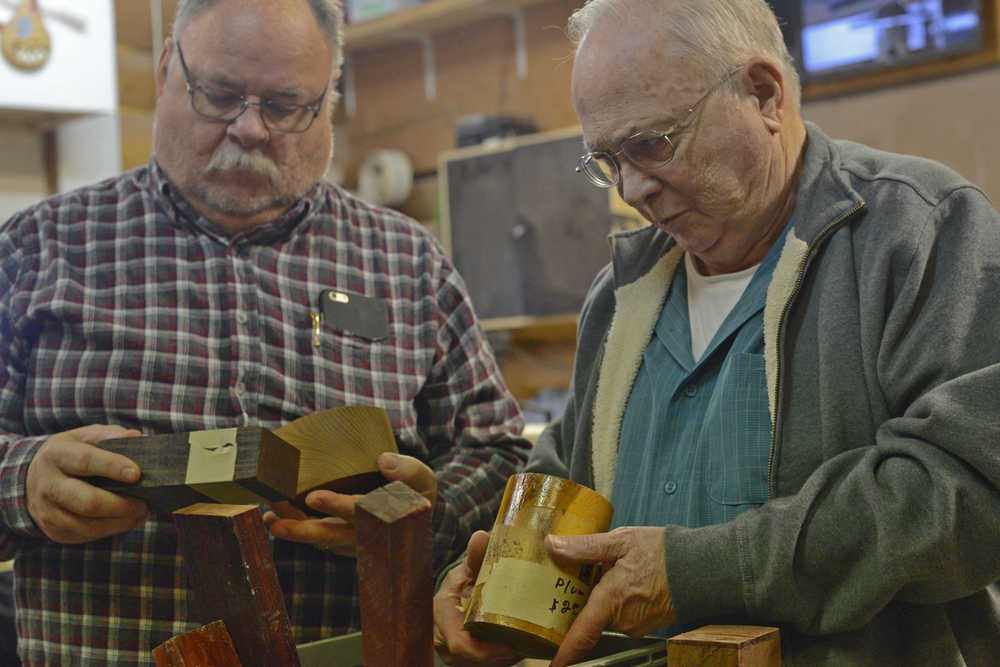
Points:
(647, 149)
(226, 106)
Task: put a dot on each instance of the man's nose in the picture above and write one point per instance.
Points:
(249, 128)
(637, 185)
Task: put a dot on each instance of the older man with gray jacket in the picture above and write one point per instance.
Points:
(788, 383)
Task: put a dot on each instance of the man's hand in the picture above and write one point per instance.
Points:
(633, 595)
(335, 533)
(68, 509)
(455, 645)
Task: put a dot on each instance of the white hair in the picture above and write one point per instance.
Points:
(718, 35)
(329, 15)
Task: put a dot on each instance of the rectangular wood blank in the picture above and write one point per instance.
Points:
(230, 567)
(208, 645)
(245, 465)
(333, 449)
(395, 573)
(726, 646)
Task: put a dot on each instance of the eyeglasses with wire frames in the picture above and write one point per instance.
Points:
(226, 106)
(647, 149)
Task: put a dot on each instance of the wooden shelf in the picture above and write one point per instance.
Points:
(35, 120)
(422, 20)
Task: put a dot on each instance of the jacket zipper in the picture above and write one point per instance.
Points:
(780, 333)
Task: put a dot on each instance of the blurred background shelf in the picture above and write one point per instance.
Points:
(424, 19)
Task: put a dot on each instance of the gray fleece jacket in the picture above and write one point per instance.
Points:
(880, 541)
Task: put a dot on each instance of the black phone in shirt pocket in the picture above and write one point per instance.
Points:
(356, 314)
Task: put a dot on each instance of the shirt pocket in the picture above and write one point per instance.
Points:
(354, 363)
(741, 449)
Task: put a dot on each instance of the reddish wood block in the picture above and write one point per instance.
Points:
(208, 645)
(395, 573)
(231, 570)
(726, 646)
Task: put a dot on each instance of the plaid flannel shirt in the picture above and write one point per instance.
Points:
(120, 305)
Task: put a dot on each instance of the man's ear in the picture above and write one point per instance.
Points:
(163, 66)
(767, 85)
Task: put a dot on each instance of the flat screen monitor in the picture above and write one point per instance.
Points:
(847, 37)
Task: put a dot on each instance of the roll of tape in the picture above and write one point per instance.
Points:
(385, 177)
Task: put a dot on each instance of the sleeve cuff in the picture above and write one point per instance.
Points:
(704, 572)
(13, 482)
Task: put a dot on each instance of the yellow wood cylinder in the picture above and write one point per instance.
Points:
(522, 598)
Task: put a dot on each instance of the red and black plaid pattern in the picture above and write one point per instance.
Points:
(119, 305)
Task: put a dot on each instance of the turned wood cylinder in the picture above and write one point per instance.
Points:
(522, 597)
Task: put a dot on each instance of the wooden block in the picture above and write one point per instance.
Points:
(230, 567)
(726, 646)
(208, 645)
(242, 466)
(334, 449)
(339, 448)
(396, 572)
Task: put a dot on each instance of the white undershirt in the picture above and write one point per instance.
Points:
(710, 298)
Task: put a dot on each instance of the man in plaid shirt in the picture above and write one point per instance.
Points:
(185, 295)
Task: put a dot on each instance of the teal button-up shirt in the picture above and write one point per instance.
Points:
(696, 436)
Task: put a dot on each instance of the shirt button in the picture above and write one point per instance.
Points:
(690, 390)
(670, 487)
(240, 388)
(242, 318)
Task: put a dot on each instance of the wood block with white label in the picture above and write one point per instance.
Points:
(240, 466)
(332, 449)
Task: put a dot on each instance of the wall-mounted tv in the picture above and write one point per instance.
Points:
(847, 37)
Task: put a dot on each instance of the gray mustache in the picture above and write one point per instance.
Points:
(231, 157)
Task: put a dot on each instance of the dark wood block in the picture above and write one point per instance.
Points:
(246, 465)
(209, 645)
(395, 573)
(335, 449)
(230, 567)
(726, 646)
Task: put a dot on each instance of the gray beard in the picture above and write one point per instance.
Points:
(241, 207)
(228, 157)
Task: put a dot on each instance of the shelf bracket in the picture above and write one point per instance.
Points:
(430, 80)
(520, 43)
(156, 27)
(347, 81)
(516, 15)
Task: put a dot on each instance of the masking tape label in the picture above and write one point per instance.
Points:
(539, 593)
(211, 456)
